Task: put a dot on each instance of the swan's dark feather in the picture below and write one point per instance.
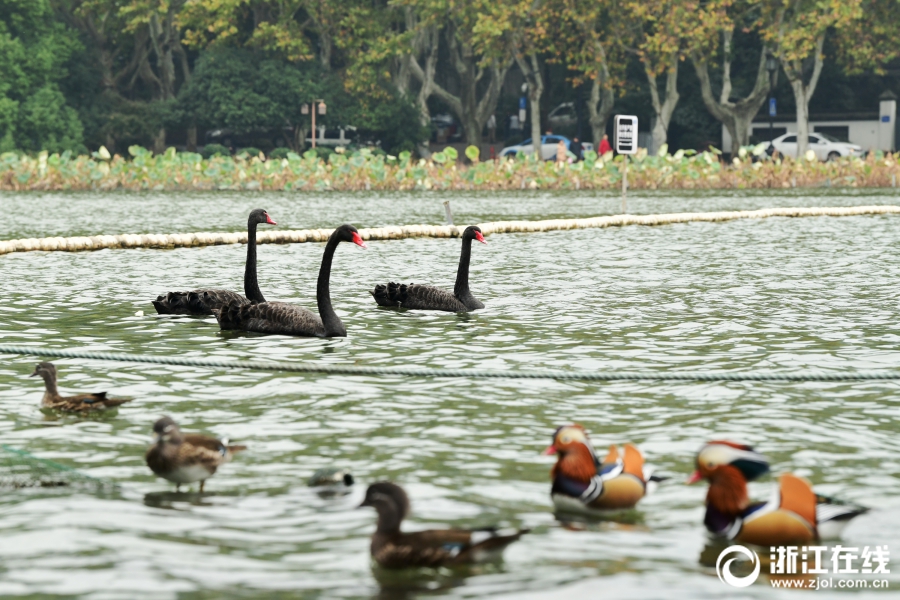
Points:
(271, 317)
(426, 297)
(382, 297)
(196, 302)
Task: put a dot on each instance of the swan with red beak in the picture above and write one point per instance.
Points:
(584, 484)
(794, 515)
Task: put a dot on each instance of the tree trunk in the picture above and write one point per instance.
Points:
(298, 140)
(600, 106)
(472, 112)
(427, 40)
(159, 141)
(532, 72)
(736, 116)
(663, 109)
(325, 49)
(192, 138)
(793, 70)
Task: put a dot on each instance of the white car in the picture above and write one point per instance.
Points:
(825, 146)
(549, 144)
(342, 136)
(563, 116)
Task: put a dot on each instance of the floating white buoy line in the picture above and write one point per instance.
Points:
(186, 240)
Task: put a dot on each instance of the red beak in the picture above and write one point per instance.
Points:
(551, 449)
(269, 220)
(480, 237)
(694, 478)
(357, 239)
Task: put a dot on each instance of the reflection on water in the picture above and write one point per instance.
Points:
(771, 294)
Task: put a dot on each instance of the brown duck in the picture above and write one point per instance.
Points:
(393, 549)
(82, 403)
(186, 458)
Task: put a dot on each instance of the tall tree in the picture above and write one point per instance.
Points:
(591, 49)
(659, 35)
(723, 18)
(480, 76)
(34, 114)
(517, 28)
(796, 29)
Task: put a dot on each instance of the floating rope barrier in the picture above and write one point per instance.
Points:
(186, 240)
(295, 367)
(20, 469)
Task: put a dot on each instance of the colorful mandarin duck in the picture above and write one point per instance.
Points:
(794, 515)
(393, 549)
(581, 483)
(80, 403)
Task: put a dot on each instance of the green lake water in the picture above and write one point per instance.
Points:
(775, 294)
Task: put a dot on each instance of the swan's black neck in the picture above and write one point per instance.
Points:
(461, 289)
(251, 285)
(330, 320)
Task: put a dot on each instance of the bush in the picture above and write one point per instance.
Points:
(248, 152)
(324, 152)
(279, 153)
(211, 150)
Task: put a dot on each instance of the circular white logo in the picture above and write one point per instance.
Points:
(724, 571)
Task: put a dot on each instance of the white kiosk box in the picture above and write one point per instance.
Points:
(626, 143)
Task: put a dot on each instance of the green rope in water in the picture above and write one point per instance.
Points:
(20, 469)
(471, 373)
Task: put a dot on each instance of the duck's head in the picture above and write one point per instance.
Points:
(349, 233)
(715, 458)
(166, 431)
(473, 232)
(46, 370)
(390, 501)
(576, 456)
(259, 216)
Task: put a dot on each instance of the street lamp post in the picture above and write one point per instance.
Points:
(318, 107)
(771, 67)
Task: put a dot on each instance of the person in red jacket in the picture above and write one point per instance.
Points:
(604, 145)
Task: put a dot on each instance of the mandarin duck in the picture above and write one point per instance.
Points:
(794, 515)
(186, 458)
(393, 549)
(80, 403)
(583, 484)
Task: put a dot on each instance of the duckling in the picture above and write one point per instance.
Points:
(186, 458)
(795, 515)
(82, 403)
(393, 549)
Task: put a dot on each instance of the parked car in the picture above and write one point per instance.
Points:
(340, 136)
(548, 147)
(446, 129)
(563, 116)
(825, 146)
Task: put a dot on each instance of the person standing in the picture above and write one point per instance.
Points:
(562, 153)
(515, 128)
(577, 149)
(604, 145)
(492, 129)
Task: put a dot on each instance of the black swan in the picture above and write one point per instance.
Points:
(393, 549)
(426, 297)
(202, 302)
(81, 403)
(186, 458)
(287, 319)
